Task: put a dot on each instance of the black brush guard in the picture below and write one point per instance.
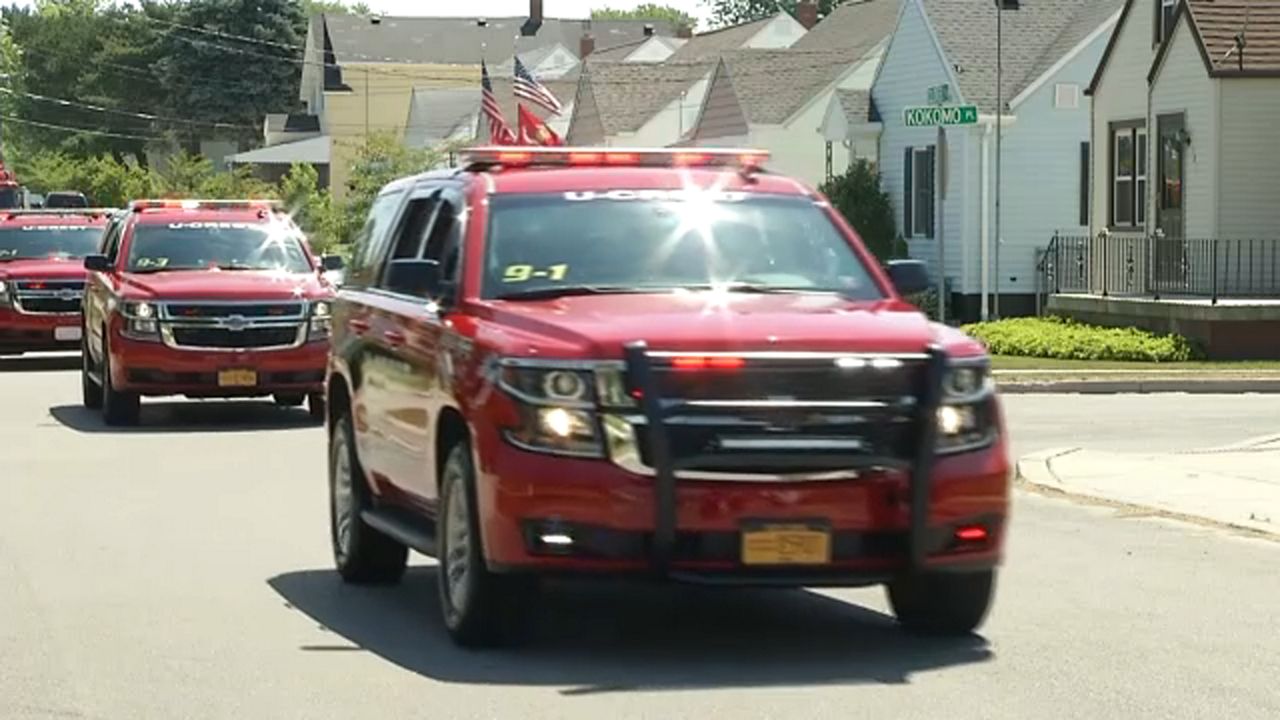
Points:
(643, 369)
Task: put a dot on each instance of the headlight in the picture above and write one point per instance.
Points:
(139, 310)
(140, 321)
(569, 387)
(560, 430)
(4, 293)
(611, 388)
(556, 408)
(966, 418)
(320, 324)
(320, 309)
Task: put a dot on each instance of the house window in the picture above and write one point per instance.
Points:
(1084, 184)
(917, 186)
(1164, 20)
(1128, 175)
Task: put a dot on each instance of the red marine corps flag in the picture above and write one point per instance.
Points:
(533, 131)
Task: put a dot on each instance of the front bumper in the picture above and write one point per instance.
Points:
(152, 368)
(606, 519)
(23, 332)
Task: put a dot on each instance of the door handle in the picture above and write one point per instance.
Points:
(394, 337)
(358, 327)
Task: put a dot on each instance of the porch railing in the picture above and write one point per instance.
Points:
(1157, 266)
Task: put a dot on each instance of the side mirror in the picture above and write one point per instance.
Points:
(329, 263)
(419, 278)
(910, 277)
(97, 263)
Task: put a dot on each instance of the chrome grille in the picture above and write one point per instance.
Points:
(233, 325)
(48, 297)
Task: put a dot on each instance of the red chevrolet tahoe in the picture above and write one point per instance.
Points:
(204, 298)
(672, 364)
(42, 276)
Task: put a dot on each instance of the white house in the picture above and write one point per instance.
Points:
(1185, 106)
(947, 48)
(778, 100)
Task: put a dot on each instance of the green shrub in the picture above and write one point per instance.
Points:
(1062, 338)
(857, 196)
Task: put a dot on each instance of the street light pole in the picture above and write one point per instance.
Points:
(995, 259)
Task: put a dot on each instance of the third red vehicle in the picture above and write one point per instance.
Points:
(204, 299)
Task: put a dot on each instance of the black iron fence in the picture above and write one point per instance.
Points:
(1158, 266)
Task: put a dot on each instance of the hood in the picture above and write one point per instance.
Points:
(225, 285)
(599, 326)
(45, 268)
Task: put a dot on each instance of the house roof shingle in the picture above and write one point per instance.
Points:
(856, 105)
(771, 85)
(628, 94)
(707, 45)
(452, 40)
(1258, 20)
(859, 24)
(1035, 36)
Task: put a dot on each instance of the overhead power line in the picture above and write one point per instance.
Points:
(126, 113)
(86, 131)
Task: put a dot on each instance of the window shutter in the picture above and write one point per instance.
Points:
(1084, 183)
(931, 187)
(908, 189)
(1155, 23)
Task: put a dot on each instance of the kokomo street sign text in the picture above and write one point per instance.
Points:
(938, 116)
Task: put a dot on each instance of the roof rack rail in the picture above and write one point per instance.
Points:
(197, 204)
(16, 212)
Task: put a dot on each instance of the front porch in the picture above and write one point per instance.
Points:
(1222, 293)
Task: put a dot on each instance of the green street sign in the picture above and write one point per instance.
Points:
(939, 94)
(936, 116)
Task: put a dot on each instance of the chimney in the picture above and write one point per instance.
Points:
(684, 31)
(648, 30)
(807, 13)
(586, 45)
(530, 27)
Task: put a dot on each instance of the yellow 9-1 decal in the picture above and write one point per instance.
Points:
(524, 273)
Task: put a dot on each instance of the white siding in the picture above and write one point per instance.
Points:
(673, 121)
(781, 32)
(1249, 201)
(912, 64)
(1040, 183)
(1121, 95)
(798, 149)
(651, 50)
(1183, 86)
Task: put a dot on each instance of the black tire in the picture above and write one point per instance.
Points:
(362, 555)
(289, 400)
(90, 391)
(942, 603)
(118, 408)
(493, 610)
(316, 406)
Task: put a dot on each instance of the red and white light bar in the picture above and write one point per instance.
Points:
(92, 212)
(614, 157)
(193, 204)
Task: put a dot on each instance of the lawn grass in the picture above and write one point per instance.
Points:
(1011, 362)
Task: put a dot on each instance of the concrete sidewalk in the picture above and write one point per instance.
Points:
(1111, 382)
(1238, 486)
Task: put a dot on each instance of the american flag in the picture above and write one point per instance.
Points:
(499, 132)
(526, 86)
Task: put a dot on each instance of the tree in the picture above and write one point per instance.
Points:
(736, 12)
(857, 196)
(647, 11)
(333, 7)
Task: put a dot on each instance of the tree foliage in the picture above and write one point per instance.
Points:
(858, 197)
(647, 11)
(735, 12)
(334, 7)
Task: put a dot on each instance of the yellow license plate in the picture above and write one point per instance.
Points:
(237, 378)
(786, 544)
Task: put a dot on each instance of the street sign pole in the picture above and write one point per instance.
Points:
(940, 172)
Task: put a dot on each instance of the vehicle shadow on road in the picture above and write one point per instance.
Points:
(190, 417)
(616, 637)
(43, 363)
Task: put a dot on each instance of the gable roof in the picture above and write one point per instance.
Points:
(626, 95)
(1216, 24)
(707, 45)
(857, 106)
(436, 114)
(771, 85)
(855, 24)
(456, 40)
(1034, 38)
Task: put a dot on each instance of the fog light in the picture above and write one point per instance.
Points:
(556, 539)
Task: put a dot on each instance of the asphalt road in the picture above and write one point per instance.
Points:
(181, 570)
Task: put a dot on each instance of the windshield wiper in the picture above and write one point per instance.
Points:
(239, 266)
(758, 288)
(567, 290)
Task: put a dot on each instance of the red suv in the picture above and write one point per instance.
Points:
(672, 364)
(204, 298)
(42, 276)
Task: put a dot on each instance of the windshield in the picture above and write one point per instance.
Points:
(10, 198)
(37, 241)
(621, 240)
(225, 245)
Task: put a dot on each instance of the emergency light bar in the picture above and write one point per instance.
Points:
(93, 212)
(614, 157)
(173, 204)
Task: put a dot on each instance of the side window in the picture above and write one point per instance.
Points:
(111, 240)
(412, 232)
(444, 244)
(372, 238)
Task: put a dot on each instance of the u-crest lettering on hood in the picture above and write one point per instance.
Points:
(656, 194)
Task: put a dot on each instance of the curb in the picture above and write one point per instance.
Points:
(1116, 387)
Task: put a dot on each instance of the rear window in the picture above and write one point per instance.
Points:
(37, 241)
(667, 240)
(200, 245)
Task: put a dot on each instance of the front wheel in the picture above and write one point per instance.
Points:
(118, 407)
(90, 391)
(316, 406)
(362, 554)
(942, 603)
(480, 608)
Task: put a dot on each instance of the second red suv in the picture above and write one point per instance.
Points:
(204, 299)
